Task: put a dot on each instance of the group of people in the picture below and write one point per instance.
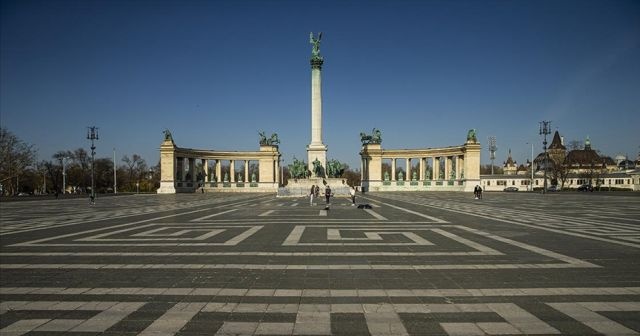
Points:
(477, 192)
(315, 193)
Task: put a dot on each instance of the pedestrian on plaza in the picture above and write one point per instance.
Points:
(352, 192)
(92, 199)
(475, 192)
(479, 192)
(327, 194)
(317, 194)
(311, 194)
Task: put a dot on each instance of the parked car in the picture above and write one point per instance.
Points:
(553, 188)
(585, 187)
(510, 189)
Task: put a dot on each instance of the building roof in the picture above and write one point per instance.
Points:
(556, 143)
(583, 157)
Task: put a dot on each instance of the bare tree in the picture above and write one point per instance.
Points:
(15, 156)
(134, 165)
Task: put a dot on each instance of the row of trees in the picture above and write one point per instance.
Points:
(20, 172)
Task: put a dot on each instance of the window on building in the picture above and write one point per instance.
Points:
(619, 181)
(501, 182)
(488, 183)
(525, 182)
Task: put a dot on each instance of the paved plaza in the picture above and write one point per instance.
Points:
(412, 263)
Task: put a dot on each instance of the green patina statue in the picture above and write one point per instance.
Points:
(317, 168)
(315, 50)
(272, 141)
(374, 138)
(335, 168)
(386, 176)
(298, 169)
(167, 134)
(471, 136)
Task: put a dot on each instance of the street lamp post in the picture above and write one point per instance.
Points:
(64, 175)
(92, 134)
(545, 128)
(531, 166)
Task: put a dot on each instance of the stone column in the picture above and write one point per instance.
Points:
(205, 167)
(232, 171)
(393, 169)
(246, 171)
(447, 167)
(436, 168)
(218, 171)
(421, 177)
(408, 170)
(316, 149)
(277, 174)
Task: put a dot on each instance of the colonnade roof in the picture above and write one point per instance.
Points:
(224, 155)
(418, 152)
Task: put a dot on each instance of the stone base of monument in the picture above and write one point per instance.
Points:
(302, 187)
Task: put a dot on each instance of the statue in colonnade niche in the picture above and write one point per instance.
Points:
(253, 177)
(226, 177)
(414, 176)
(386, 176)
(461, 174)
(400, 176)
(452, 176)
(427, 174)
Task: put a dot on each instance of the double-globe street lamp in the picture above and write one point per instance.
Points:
(92, 134)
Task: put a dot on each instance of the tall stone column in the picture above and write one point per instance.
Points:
(393, 169)
(316, 150)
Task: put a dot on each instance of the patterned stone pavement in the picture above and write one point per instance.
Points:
(253, 264)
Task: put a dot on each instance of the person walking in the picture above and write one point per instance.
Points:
(352, 192)
(327, 194)
(313, 191)
(317, 193)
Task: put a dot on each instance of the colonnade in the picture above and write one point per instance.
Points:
(429, 168)
(447, 168)
(187, 170)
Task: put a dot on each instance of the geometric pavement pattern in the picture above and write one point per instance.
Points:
(413, 264)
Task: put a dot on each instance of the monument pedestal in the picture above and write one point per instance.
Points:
(318, 152)
(302, 187)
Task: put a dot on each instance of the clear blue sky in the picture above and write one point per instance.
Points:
(217, 72)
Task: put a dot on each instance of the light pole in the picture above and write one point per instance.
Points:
(92, 134)
(115, 176)
(545, 128)
(531, 166)
(492, 150)
(64, 174)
